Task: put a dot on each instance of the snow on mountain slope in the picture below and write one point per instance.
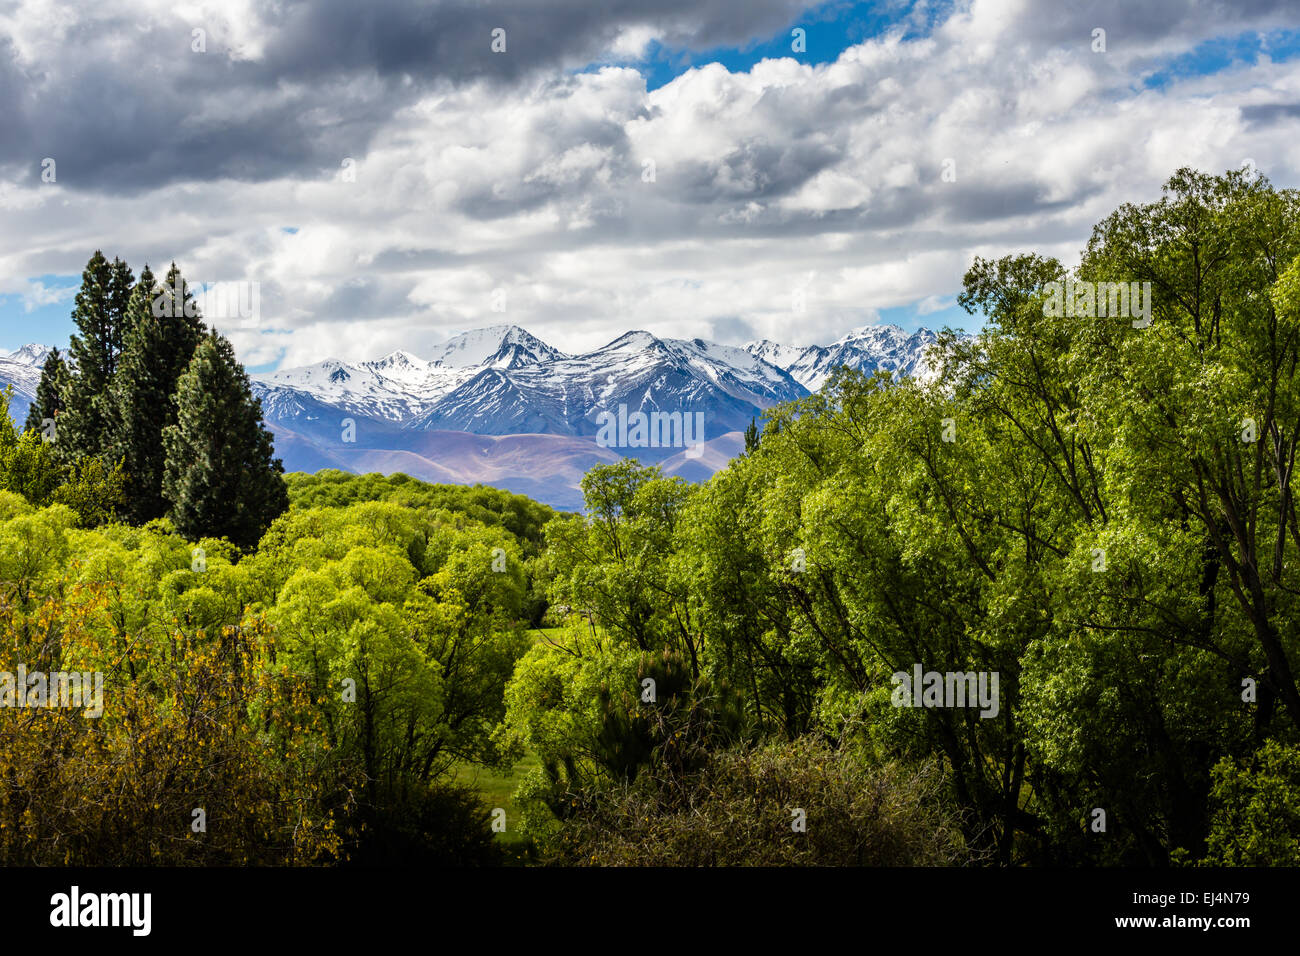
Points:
(737, 371)
(774, 353)
(400, 386)
(866, 349)
(395, 387)
(32, 354)
(523, 388)
(504, 380)
(498, 346)
(637, 370)
(21, 368)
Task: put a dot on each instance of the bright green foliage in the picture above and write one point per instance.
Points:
(188, 717)
(582, 704)
(220, 477)
(522, 517)
(28, 466)
(616, 561)
(1257, 809)
(96, 493)
(319, 691)
(378, 593)
(555, 707)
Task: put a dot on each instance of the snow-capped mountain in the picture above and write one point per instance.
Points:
(394, 387)
(21, 368)
(31, 354)
(501, 406)
(400, 386)
(866, 349)
(566, 395)
(497, 346)
(418, 415)
(520, 385)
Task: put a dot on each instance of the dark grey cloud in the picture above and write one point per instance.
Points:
(973, 202)
(127, 105)
(755, 170)
(366, 297)
(1133, 24)
(1266, 114)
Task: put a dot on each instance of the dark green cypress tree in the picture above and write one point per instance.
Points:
(121, 286)
(158, 350)
(181, 324)
(86, 428)
(221, 477)
(49, 393)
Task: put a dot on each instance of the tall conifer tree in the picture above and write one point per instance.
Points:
(121, 285)
(221, 478)
(158, 348)
(178, 316)
(85, 429)
(49, 393)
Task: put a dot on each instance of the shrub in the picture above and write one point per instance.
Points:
(1256, 815)
(741, 808)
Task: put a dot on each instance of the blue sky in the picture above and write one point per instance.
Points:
(23, 321)
(1226, 53)
(829, 29)
(524, 174)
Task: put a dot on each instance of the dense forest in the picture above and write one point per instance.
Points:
(312, 669)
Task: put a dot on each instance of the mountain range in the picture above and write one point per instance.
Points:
(500, 406)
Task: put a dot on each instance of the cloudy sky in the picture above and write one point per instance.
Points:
(389, 175)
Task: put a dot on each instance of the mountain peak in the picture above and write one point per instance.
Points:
(874, 333)
(508, 344)
(33, 353)
(398, 357)
(637, 339)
